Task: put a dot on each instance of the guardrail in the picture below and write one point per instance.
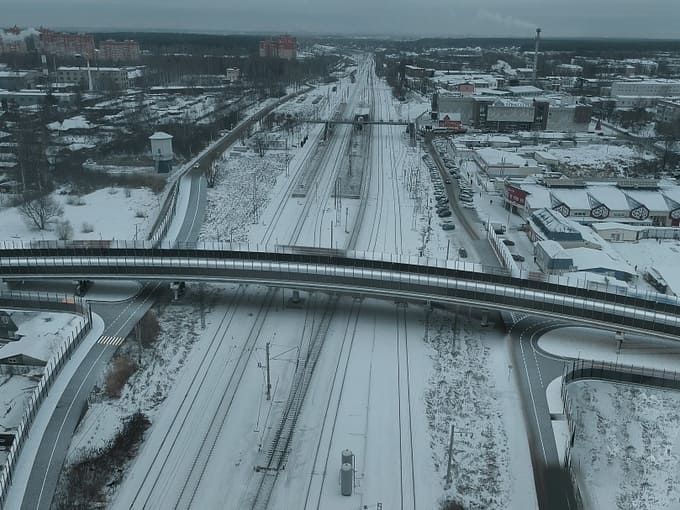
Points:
(52, 369)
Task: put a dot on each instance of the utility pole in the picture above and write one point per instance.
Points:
(138, 334)
(269, 384)
(448, 466)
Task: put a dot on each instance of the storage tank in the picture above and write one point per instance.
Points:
(347, 457)
(161, 151)
(346, 479)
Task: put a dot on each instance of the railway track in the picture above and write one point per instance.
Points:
(316, 483)
(282, 438)
(145, 496)
(408, 498)
(202, 457)
(277, 452)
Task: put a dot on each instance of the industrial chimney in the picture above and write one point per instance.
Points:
(538, 38)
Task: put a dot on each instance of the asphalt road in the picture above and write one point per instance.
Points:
(535, 370)
(120, 319)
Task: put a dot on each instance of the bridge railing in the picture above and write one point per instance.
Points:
(43, 257)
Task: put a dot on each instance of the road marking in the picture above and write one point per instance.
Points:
(80, 387)
(531, 394)
(110, 340)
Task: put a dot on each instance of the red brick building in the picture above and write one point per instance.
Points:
(118, 51)
(63, 44)
(284, 47)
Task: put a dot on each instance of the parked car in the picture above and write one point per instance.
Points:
(462, 253)
(468, 205)
(465, 198)
(508, 242)
(448, 226)
(444, 214)
(517, 257)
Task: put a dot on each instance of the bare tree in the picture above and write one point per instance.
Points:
(40, 211)
(64, 230)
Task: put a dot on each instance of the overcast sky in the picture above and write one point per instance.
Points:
(594, 18)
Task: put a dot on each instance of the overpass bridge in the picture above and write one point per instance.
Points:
(363, 122)
(354, 273)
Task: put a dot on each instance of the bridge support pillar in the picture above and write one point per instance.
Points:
(295, 300)
(177, 289)
(619, 336)
(485, 319)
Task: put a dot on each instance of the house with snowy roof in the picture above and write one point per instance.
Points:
(27, 351)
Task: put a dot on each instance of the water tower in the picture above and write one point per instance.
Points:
(161, 151)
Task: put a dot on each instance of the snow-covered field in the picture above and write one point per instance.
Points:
(241, 193)
(462, 393)
(598, 155)
(660, 254)
(627, 446)
(111, 213)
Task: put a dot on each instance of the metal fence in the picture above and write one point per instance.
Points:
(52, 369)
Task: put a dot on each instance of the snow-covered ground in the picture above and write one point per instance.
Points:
(598, 155)
(659, 254)
(111, 213)
(627, 445)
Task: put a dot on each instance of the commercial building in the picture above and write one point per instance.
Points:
(668, 110)
(631, 201)
(657, 87)
(463, 81)
(119, 51)
(506, 114)
(63, 44)
(17, 80)
(233, 74)
(501, 164)
(35, 97)
(284, 47)
(103, 78)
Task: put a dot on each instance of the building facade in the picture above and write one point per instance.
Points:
(655, 88)
(103, 78)
(285, 47)
(641, 202)
(119, 51)
(63, 44)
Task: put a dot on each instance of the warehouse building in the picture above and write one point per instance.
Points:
(631, 201)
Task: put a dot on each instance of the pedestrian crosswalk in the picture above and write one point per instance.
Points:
(111, 340)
